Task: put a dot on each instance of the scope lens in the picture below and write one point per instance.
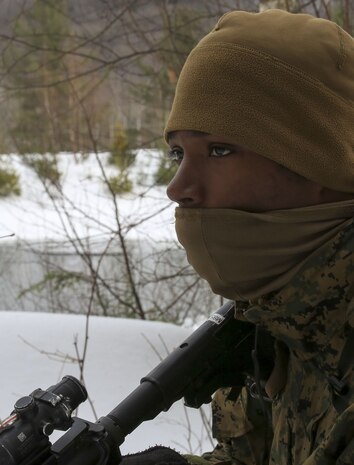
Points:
(71, 389)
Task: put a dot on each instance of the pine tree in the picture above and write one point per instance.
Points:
(37, 76)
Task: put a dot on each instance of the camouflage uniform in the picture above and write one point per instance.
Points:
(313, 423)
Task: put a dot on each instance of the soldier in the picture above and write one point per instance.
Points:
(262, 129)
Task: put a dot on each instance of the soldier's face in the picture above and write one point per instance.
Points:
(215, 172)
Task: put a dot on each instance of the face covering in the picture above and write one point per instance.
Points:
(244, 256)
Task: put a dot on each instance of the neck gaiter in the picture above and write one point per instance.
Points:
(244, 256)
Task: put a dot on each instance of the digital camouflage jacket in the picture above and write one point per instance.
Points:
(313, 414)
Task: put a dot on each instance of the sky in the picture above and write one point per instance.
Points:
(37, 350)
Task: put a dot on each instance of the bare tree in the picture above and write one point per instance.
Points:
(87, 77)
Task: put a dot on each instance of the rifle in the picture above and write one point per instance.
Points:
(217, 354)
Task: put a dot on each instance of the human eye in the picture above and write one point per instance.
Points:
(175, 154)
(220, 151)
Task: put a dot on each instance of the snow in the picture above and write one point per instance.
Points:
(36, 348)
(85, 198)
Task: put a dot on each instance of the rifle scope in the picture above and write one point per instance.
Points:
(25, 432)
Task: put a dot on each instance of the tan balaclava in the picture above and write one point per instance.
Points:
(282, 85)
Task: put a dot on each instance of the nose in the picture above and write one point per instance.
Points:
(186, 188)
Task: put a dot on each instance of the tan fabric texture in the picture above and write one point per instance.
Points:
(312, 316)
(244, 256)
(282, 85)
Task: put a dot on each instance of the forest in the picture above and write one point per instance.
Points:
(92, 81)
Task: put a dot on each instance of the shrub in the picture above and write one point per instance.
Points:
(121, 155)
(46, 168)
(165, 172)
(9, 183)
(120, 184)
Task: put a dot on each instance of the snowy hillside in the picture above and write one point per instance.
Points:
(55, 234)
(35, 217)
(37, 349)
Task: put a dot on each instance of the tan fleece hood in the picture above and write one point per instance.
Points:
(282, 84)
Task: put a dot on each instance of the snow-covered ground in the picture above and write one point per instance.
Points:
(36, 349)
(85, 198)
(53, 234)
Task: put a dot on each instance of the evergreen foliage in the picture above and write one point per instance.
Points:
(122, 155)
(120, 184)
(9, 183)
(46, 168)
(41, 121)
(165, 171)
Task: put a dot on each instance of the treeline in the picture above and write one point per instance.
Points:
(72, 84)
(86, 76)
(99, 75)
